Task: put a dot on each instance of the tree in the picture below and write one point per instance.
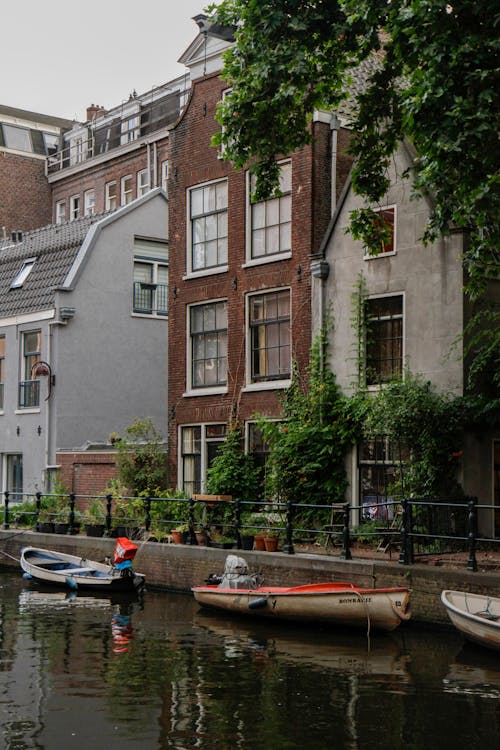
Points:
(432, 79)
(142, 460)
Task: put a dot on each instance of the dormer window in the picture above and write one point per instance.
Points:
(23, 274)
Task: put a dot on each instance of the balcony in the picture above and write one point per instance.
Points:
(29, 394)
(150, 299)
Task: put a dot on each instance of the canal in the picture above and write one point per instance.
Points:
(88, 673)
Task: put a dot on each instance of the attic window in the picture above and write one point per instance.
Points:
(23, 274)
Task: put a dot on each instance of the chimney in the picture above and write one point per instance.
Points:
(94, 111)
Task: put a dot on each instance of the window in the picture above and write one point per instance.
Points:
(29, 388)
(110, 196)
(198, 448)
(126, 190)
(384, 339)
(60, 212)
(258, 448)
(208, 344)
(150, 294)
(380, 464)
(51, 143)
(386, 217)
(164, 176)
(2, 369)
(129, 130)
(271, 220)
(76, 150)
(23, 273)
(18, 139)
(142, 182)
(88, 203)
(74, 207)
(208, 223)
(14, 477)
(269, 324)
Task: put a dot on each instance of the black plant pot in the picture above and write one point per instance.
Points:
(95, 529)
(61, 527)
(247, 541)
(45, 527)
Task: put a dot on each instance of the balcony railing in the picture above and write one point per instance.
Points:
(150, 299)
(29, 394)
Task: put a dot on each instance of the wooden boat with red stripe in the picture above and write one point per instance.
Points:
(334, 603)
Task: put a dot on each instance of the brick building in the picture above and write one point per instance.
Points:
(239, 276)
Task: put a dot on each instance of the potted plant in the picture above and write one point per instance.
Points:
(93, 518)
(179, 534)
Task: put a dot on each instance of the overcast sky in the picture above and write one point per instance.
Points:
(58, 57)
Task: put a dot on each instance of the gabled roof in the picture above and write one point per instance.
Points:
(55, 248)
(60, 252)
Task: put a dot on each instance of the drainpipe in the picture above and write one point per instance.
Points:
(334, 127)
(148, 162)
(155, 165)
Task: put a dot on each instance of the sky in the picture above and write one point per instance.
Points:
(59, 57)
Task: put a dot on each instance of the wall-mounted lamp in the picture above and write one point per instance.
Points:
(18, 430)
(299, 272)
(39, 430)
(234, 283)
(42, 369)
(175, 292)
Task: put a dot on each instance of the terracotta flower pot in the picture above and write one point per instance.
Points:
(271, 543)
(178, 537)
(259, 542)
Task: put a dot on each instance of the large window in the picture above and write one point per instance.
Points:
(150, 295)
(2, 369)
(269, 328)
(271, 220)
(198, 448)
(208, 344)
(29, 387)
(16, 138)
(208, 224)
(14, 477)
(384, 339)
(130, 129)
(142, 182)
(381, 464)
(60, 212)
(386, 218)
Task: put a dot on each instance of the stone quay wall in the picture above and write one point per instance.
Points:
(176, 567)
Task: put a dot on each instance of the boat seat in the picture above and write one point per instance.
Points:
(79, 571)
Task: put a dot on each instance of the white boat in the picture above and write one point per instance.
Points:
(476, 616)
(71, 571)
(335, 603)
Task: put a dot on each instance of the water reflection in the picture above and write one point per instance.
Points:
(161, 673)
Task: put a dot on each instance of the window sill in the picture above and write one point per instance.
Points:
(267, 259)
(28, 410)
(205, 392)
(149, 316)
(205, 272)
(380, 255)
(267, 385)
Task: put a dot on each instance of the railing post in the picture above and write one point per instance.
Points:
(109, 500)
(148, 513)
(191, 535)
(288, 546)
(346, 538)
(406, 553)
(71, 527)
(38, 507)
(6, 511)
(237, 521)
(472, 519)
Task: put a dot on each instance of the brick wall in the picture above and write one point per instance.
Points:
(194, 161)
(25, 201)
(95, 177)
(86, 473)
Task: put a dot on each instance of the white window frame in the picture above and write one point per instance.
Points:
(205, 440)
(89, 203)
(111, 201)
(130, 128)
(155, 267)
(126, 194)
(74, 207)
(267, 257)
(205, 270)
(164, 175)
(192, 389)
(10, 133)
(380, 209)
(23, 273)
(271, 384)
(60, 212)
(143, 182)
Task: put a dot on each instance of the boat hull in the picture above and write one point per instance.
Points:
(476, 616)
(70, 571)
(337, 604)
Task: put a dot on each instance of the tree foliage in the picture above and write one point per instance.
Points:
(435, 83)
(142, 460)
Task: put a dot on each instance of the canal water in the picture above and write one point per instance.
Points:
(88, 673)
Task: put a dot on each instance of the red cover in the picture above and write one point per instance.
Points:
(124, 550)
